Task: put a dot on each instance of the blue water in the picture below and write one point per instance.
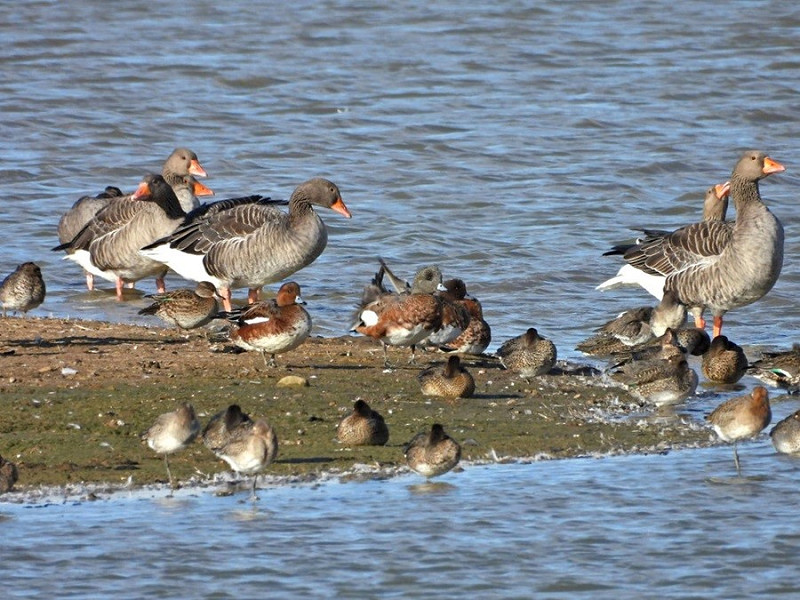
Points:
(680, 525)
(510, 144)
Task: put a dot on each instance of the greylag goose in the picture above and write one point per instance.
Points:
(741, 418)
(433, 453)
(112, 239)
(178, 171)
(23, 289)
(171, 432)
(452, 382)
(715, 207)
(272, 326)
(362, 427)
(528, 354)
(716, 264)
(250, 244)
(184, 308)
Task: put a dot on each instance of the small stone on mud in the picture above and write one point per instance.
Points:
(290, 380)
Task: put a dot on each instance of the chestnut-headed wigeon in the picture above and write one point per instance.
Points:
(272, 326)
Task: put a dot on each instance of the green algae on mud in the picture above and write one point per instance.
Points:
(78, 394)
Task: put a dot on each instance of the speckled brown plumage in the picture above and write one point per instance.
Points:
(184, 308)
(659, 381)
(362, 427)
(528, 354)
(725, 361)
(432, 453)
(219, 427)
(454, 381)
(23, 289)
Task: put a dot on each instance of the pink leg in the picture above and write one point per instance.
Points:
(120, 283)
(225, 293)
(717, 327)
(89, 281)
(160, 287)
(252, 296)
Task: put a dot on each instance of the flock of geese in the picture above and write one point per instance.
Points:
(714, 265)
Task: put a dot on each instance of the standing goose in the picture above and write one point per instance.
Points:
(715, 207)
(177, 171)
(251, 244)
(716, 264)
(111, 240)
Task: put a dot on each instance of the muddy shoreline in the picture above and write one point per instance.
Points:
(78, 393)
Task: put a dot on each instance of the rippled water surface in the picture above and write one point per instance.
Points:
(680, 525)
(511, 144)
